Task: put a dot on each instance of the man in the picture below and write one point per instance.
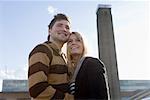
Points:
(47, 74)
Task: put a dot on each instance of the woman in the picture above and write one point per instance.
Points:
(90, 80)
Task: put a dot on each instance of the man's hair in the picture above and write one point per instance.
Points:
(57, 17)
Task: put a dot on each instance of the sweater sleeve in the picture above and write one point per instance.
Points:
(96, 80)
(39, 60)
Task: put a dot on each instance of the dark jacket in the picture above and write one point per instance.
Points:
(90, 80)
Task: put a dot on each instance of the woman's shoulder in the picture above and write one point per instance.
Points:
(93, 59)
(94, 62)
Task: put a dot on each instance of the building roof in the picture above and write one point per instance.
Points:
(15, 86)
(130, 89)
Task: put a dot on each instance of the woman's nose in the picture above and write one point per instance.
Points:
(73, 42)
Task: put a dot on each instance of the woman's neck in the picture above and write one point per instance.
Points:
(75, 59)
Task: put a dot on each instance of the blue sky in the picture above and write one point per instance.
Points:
(23, 24)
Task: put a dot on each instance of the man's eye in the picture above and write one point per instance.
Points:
(67, 27)
(78, 40)
(69, 41)
(59, 25)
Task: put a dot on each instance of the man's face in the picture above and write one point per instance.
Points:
(60, 31)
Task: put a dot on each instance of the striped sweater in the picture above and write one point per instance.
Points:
(47, 74)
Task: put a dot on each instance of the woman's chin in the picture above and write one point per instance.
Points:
(75, 53)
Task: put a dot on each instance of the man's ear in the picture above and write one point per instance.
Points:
(49, 31)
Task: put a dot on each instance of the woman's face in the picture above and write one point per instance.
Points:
(75, 45)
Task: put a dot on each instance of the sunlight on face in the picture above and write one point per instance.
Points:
(60, 31)
(75, 45)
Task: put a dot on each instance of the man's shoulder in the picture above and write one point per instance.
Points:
(41, 47)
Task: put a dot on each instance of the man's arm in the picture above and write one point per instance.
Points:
(39, 60)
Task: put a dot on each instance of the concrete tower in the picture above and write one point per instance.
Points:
(106, 46)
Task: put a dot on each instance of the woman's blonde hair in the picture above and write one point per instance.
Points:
(78, 35)
(70, 60)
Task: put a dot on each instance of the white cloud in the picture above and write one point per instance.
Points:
(131, 34)
(51, 10)
(18, 73)
(0, 85)
(2, 74)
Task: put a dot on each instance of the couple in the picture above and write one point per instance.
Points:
(50, 77)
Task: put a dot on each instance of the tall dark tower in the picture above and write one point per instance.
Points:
(106, 47)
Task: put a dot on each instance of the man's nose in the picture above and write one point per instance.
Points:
(64, 28)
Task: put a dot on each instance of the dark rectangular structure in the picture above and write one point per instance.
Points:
(107, 51)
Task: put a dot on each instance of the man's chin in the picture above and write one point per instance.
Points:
(64, 41)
